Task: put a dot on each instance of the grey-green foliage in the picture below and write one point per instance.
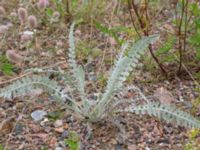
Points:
(107, 102)
(123, 66)
(27, 84)
(77, 71)
(166, 112)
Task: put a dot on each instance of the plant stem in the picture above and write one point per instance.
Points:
(132, 19)
(145, 30)
(180, 37)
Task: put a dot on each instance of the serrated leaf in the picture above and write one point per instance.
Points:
(167, 112)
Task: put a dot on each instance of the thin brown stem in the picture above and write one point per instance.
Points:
(132, 19)
(145, 30)
(67, 9)
(186, 25)
(142, 25)
(180, 37)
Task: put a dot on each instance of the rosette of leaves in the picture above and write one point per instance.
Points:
(107, 103)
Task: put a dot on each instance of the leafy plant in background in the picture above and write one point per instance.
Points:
(141, 21)
(72, 141)
(184, 26)
(85, 10)
(107, 103)
(167, 46)
(58, 12)
(194, 39)
(5, 66)
(187, 31)
(84, 50)
(114, 31)
(164, 52)
(111, 32)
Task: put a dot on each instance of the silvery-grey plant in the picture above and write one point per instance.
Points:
(107, 102)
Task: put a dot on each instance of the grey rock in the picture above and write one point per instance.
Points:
(38, 115)
(18, 129)
(118, 147)
(61, 144)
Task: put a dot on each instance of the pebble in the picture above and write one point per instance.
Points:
(65, 134)
(43, 122)
(118, 147)
(61, 144)
(188, 104)
(18, 129)
(69, 119)
(58, 123)
(38, 115)
(163, 140)
(59, 148)
(59, 130)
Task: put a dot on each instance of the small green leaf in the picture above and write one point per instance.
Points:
(1, 147)
(73, 145)
(111, 32)
(74, 3)
(5, 66)
(167, 46)
(54, 115)
(49, 12)
(72, 141)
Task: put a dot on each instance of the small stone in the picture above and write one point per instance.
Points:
(132, 147)
(69, 119)
(61, 144)
(163, 140)
(53, 142)
(59, 148)
(38, 115)
(18, 129)
(43, 123)
(118, 147)
(65, 134)
(188, 105)
(59, 130)
(58, 123)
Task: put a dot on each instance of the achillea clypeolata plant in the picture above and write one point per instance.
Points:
(106, 104)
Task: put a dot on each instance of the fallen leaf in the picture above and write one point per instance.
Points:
(6, 126)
